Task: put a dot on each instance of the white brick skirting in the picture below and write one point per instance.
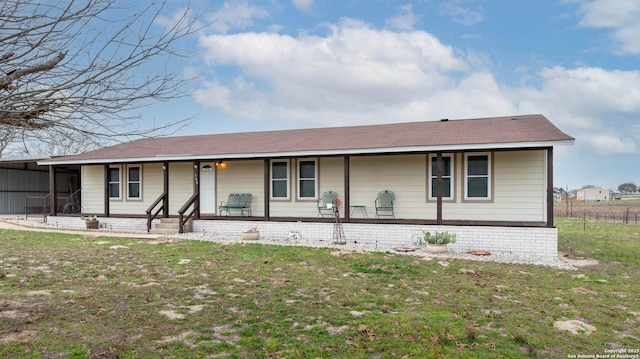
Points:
(111, 223)
(524, 241)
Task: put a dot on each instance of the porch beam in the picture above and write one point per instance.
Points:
(550, 222)
(347, 188)
(267, 189)
(196, 186)
(439, 171)
(165, 180)
(53, 192)
(106, 190)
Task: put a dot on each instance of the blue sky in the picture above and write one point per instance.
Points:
(281, 64)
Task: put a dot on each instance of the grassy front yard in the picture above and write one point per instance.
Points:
(68, 296)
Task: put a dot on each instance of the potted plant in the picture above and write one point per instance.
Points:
(437, 243)
(91, 221)
(251, 234)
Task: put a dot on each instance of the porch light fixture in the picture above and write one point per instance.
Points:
(220, 164)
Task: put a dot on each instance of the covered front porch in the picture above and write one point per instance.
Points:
(428, 188)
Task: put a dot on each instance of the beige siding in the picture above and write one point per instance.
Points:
(180, 185)
(242, 177)
(403, 174)
(152, 186)
(518, 187)
(180, 179)
(330, 178)
(92, 180)
(519, 190)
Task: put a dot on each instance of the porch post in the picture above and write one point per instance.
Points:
(347, 189)
(439, 170)
(550, 223)
(267, 189)
(165, 200)
(53, 193)
(106, 190)
(196, 187)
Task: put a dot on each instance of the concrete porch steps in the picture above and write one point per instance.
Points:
(170, 226)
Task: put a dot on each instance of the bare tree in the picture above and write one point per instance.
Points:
(84, 66)
(7, 136)
(58, 143)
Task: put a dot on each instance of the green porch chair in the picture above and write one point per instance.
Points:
(326, 202)
(384, 204)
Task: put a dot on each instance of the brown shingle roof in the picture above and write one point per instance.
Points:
(513, 131)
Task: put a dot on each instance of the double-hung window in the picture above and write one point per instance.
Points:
(280, 179)
(477, 176)
(134, 182)
(307, 179)
(114, 182)
(447, 177)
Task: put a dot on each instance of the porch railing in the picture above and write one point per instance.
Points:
(193, 201)
(41, 206)
(71, 202)
(151, 215)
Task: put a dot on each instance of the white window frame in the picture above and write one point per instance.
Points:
(315, 178)
(139, 182)
(287, 180)
(433, 176)
(488, 175)
(109, 182)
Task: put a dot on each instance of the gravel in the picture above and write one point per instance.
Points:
(411, 250)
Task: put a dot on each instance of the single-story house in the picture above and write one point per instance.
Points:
(593, 194)
(489, 180)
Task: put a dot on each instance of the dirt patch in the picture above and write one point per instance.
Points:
(172, 315)
(577, 260)
(575, 327)
(581, 290)
(344, 253)
(24, 336)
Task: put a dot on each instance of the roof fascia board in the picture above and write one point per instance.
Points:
(342, 152)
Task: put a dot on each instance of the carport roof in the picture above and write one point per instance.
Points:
(526, 131)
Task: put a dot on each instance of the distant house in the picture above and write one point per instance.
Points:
(593, 194)
(490, 180)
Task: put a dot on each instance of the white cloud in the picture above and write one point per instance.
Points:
(404, 20)
(599, 107)
(594, 91)
(611, 143)
(303, 5)
(356, 74)
(462, 11)
(619, 16)
(236, 14)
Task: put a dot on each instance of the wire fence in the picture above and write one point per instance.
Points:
(626, 215)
